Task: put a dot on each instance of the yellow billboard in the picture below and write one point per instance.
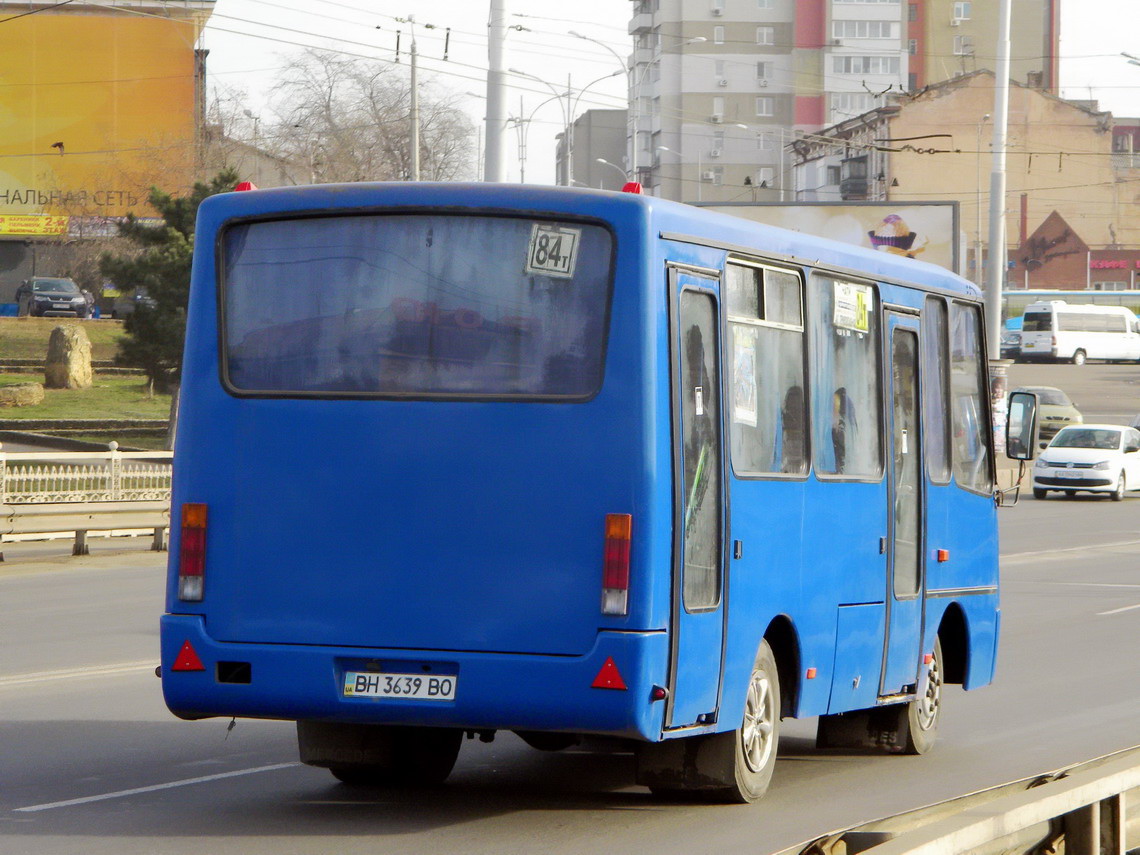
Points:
(96, 106)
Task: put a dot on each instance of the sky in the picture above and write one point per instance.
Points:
(249, 40)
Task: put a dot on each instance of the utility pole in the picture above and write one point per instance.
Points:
(998, 258)
(496, 91)
(415, 134)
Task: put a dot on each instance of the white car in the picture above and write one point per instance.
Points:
(1093, 458)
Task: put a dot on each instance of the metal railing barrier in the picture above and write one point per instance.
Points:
(45, 492)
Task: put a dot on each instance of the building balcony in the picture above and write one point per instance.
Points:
(854, 189)
(642, 22)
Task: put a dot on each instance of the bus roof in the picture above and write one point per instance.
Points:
(662, 217)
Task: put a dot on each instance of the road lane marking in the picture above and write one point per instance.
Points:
(137, 790)
(76, 673)
(1019, 557)
(1118, 611)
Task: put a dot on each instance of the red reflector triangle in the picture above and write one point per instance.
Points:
(608, 677)
(187, 660)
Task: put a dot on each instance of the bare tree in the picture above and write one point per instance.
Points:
(347, 119)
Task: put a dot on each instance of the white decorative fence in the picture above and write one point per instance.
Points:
(46, 492)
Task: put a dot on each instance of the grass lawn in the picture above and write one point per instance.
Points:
(27, 338)
(112, 397)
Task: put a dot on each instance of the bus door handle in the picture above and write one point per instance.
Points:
(882, 546)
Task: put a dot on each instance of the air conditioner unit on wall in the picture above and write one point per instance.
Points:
(955, 22)
(762, 83)
(722, 82)
(717, 11)
(714, 152)
(708, 175)
(716, 118)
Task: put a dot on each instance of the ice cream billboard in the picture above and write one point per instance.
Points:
(925, 230)
(97, 106)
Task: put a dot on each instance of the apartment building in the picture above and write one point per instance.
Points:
(719, 88)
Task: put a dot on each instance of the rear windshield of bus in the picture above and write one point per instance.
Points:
(416, 305)
(1037, 322)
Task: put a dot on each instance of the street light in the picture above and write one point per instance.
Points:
(634, 95)
(624, 174)
(567, 112)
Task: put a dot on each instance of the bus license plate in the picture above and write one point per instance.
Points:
(417, 687)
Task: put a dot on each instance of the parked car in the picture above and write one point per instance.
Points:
(1054, 409)
(52, 296)
(1092, 458)
(125, 304)
(1010, 344)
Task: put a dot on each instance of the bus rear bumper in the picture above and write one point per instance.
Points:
(493, 691)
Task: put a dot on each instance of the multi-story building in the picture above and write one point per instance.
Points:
(596, 135)
(719, 88)
(1072, 219)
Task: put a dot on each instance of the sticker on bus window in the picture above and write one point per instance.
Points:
(744, 404)
(853, 306)
(553, 250)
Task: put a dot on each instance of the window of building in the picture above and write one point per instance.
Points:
(866, 2)
(846, 367)
(766, 141)
(769, 407)
(765, 106)
(864, 29)
(866, 64)
(911, 81)
(762, 69)
(718, 139)
(763, 4)
(963, 45)
(718, 5)
(718, 35)
(833, 173)
(765, 35)
(765, 177)
(718, 68)
(912, 46)
(962, 11)
(912, 12)
(851, 103)
(718, 105)
(713, 175)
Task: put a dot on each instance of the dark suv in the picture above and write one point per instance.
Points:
(50, 296)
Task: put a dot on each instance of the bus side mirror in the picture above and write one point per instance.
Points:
(1021, 426)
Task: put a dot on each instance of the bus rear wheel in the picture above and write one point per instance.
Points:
(378, 755)
(754, 743)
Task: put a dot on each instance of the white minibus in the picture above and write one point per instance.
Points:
(1057, 331)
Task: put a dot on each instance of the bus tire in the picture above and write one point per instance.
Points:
(1079, 357)
(925, 711)
(1038, 493)
(542, 741)
(755, 742)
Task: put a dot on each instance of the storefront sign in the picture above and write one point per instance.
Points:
(32, 225)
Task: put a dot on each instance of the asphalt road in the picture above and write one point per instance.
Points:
(92, 763)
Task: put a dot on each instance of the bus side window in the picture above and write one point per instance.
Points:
(972, 434)
(846, 429)
(936, 382)
(769, 422)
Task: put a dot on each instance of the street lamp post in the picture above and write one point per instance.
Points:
(567, 114)
(979, 274)
(634, 95)
(624, 174)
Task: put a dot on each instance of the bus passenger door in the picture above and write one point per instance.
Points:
(697, 626)
(906, 571)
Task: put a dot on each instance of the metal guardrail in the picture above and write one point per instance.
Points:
(1090, 808)
(44, 492)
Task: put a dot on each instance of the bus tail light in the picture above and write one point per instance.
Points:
(192, 553)
(615, 569)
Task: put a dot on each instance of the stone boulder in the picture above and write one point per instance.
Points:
(21, 395)
(68, 363)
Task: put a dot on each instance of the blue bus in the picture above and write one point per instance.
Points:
(454, 459)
